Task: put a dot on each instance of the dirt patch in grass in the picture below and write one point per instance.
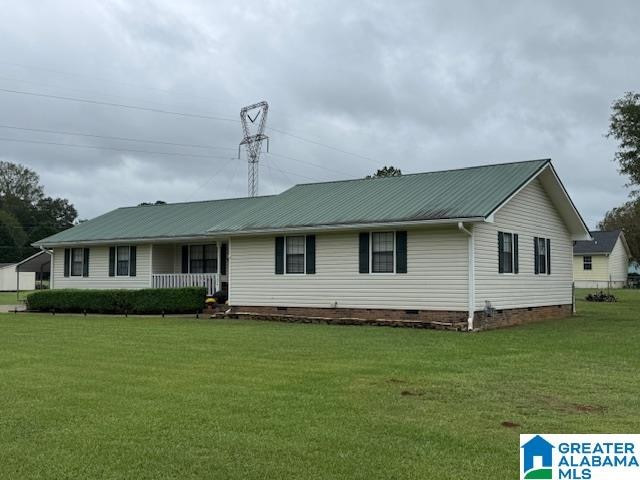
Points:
(508, 424)
(395, 380)
(411, 393)
(589, 408)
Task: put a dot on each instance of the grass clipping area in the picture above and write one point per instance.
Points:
(114, 397)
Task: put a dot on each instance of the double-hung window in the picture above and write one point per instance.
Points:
(77, 261)
(542, 255)
(507, 252)
(587, 262)
(294, 252)
(203, 258)
(122, 261)
(382, 252)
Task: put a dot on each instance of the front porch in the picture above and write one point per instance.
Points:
(201, 264)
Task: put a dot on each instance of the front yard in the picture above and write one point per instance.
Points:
(114, 397)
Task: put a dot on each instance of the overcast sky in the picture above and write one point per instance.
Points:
(419, 85)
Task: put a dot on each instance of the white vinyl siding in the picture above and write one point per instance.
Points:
(618, 263)
(99, 270)
(436, 277)
(531, 214)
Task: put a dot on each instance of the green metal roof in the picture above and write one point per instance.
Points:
(473, 192)
(155, 221)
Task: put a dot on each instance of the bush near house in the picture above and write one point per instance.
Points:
(146, 301)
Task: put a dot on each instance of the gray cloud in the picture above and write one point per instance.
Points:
(421, 85)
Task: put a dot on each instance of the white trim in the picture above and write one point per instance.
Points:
(115, 272)
(352, 226)
(150, 264)
(395, 244)
(304, 256)
(471, 283)
(513, 252)
(71, 262)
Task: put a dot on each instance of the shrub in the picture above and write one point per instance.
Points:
(146, 301)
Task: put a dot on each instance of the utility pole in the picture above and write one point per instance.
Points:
(254, 119)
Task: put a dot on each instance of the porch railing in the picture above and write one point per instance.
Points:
(211, 281)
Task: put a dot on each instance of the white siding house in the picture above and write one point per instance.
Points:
(602, 262)
(489, 244)
(9, 279)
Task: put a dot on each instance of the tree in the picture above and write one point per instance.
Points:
(624, 126)
(627, 219)
(18, 182)
(385, 171)
(26, 214)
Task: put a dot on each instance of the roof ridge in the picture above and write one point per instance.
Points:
(485, 165)
(195, 201)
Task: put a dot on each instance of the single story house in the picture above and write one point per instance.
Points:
(484, 246)
(9, 278)
(602, 262)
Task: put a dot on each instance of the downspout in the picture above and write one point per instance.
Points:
(471, 301)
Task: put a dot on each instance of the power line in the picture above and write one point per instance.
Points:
(120, 105)
(177, 113)
(108, 137)
(306, 163)
(308, 140)
(75, 145)
(105, 80)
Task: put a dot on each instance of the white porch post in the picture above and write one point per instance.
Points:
(219, 262)
(151, 265)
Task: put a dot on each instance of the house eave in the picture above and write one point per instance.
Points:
(351, 226)
(133, 240)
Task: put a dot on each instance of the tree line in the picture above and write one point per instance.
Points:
(624, 126)
(27, 214)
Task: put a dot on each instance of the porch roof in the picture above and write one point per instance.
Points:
(172, 220)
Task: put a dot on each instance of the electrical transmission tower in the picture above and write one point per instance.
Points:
(254, 119)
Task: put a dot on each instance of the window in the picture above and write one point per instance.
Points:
(382, 251)
(77, 259)
(507, 252)
(122, 261)
(542, 255)
(586, 263)
(295, 254)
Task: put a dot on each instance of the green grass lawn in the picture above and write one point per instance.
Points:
(140, 398)
(10, 298)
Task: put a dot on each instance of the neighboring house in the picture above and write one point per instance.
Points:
(9, 278)
(487, 246)
(602, 262)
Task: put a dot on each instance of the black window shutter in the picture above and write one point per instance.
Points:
(536, 254)
(185, 259)
(223, 259)
(67, 261)
(85, 263)
(548, 257)
(500, 252)
(311, 254)
(516, 267)
(279, 255)
(401, 252)
(364, 252)
(112, 261)
(132, 260)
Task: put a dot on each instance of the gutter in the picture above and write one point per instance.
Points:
(266, 231)
(471, 301)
